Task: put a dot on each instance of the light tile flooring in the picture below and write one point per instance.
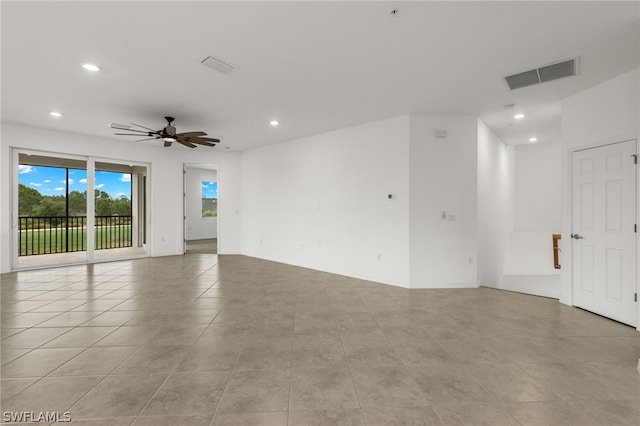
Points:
(231, 340)
(205, 246)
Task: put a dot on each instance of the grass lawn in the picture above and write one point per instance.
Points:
(45, 241)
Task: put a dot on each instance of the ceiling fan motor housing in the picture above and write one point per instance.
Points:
(170, 130)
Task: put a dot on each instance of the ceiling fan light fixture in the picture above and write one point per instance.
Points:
(170, 139)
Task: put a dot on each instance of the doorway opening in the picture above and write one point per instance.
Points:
(200, 209)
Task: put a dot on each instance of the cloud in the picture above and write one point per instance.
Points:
(120, 194)
(24, 169)
(126, 177)
(99, 186)
(70, 181)
(47, 181)
(60, 188)
(83, 181)
(35, 184)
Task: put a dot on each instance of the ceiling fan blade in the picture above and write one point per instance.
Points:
(214, 140)
(151, 130)
(202, 142)
(167, 143)
(148, 139)
(185, 143)
(119, 126)
(132, 134)
(136, 130)
(192, 134)
(198, 140)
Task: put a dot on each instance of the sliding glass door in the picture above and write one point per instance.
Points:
(52, 210)
(119, 210)
(56, 223)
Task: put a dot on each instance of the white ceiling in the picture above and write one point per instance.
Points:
(315, 66)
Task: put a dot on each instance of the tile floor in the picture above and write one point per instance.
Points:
(231, 340)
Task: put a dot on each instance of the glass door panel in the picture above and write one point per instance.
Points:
(52, 211)
(119, 218)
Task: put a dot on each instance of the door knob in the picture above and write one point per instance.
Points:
(576, 236)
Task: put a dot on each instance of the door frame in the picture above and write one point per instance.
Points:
(204, 166)
(567, 249)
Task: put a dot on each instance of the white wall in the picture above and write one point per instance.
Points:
(495, 205)
(321, 201)
(198, 227)
(443, 178)
(608, 112)
(165, 176)
(538, 187)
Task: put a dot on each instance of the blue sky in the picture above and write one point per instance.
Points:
(209, 189)
(51, 180)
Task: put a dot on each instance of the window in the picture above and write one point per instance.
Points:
(209, 199)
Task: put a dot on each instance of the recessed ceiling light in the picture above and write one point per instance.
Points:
(91, 67)
(519, 116)
(55, 114)
(533, 139)
(274, 123)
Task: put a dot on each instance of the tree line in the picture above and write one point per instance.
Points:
(32, 203)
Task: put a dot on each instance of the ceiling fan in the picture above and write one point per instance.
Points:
(167, 134)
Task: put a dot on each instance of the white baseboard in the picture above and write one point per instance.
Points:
(539, 285)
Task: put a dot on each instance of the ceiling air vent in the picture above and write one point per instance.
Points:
(218, 64)
(523, 79)
(543, 74)
(559, 70)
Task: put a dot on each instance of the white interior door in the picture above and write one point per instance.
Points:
(603, 230)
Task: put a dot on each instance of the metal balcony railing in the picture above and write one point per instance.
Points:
(65, 234)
